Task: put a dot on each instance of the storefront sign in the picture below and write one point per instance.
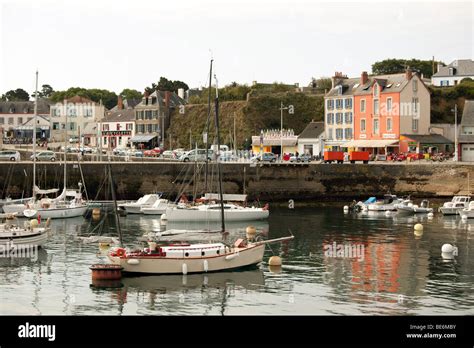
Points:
(116, 133)
(389, 136)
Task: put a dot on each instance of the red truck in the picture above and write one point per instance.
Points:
(359, 156)
(337, 156)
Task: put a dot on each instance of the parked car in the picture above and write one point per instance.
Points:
(120, 152)
(169, 154)
(196, 155)
(45, 156)
(9, 155)
(304, 157)
(265, 157)
(152, 153)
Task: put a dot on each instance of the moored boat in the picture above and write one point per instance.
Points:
(457, 204)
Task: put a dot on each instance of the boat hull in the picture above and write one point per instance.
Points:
(132, 209)
(177, 214)
(414, 210)
(61, 213)
(153, 211)
(36, 239)
(168, 265)
(449, 211)
(15, 208)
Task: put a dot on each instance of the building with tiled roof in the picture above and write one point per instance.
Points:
(453, 73)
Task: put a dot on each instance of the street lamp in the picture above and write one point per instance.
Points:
(281, 130)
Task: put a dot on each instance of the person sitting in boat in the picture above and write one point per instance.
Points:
(183, 199)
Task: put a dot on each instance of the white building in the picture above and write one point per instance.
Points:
(14, 114)
(311, 139)
(454, 73)
(80, 113)
(117, 129)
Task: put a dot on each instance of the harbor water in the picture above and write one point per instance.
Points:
(338, 264)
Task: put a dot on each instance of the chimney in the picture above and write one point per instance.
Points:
(120, 103)
(145, 97)
(181, 93)
(439, 66)
(364, 77)
(337, 78)
(408, 74)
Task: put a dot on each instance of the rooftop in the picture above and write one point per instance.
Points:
(312, 131)
(461, 67)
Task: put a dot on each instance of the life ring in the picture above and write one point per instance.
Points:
(120, 252)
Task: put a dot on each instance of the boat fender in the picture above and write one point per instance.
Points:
(133, 262)
(231, 256)
(206, 265)
(185, 269)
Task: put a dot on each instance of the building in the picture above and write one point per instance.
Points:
(311, 139)
(272, 141)
(466, 133)
(124, 104)
(14, 114)
(25, 131)
(387, 106)
(447, 130)
(453, 73)
(339, 111)
(79, 112)
(117, 129)
(152, 118)
(426, 143)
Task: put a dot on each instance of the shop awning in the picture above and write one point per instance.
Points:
(142, 138)
(371, 143)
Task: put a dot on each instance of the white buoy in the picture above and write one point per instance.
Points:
(274, 261)
(418, 227)
(430, 215)
(206, 265)
(388, 213)
(346, 209)
(447, 248)
(185, 269)
(448, 251)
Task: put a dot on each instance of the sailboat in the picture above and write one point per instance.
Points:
(184, 258)
(68, 204)
(207, 208)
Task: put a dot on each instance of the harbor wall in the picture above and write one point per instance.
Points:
(307, 182)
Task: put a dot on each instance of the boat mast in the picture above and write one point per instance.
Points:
(114, 198)
(65, 145)
(218, 159)
(207, 125)
(34, 135)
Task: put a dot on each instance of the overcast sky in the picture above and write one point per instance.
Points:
(116, 44)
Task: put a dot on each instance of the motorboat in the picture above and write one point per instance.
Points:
(407, 207)
(457, 204)
(467, 213)
(135, 207)
(12, 235)
(388, 203)
(157, 208)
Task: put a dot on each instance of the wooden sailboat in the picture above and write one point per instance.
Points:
(194, 258)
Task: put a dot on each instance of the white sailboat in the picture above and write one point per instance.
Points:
(12, 235)
(193, 258)
(68, 204)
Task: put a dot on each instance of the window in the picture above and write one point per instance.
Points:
(414, 125)
(10, 120)
(155, 114)
(362, 125)
(414, 102)
(339, 118)
(71, 112)
(156, 128)
(348, 133)
(348, 103)
(376, 90)
(88, 112)
(150, 128)
(330, 104)
(330, 118)
(56, 112)
(389, 124)
(120, 140)
(20, 120)
(415, 85)
(2, 120)
(330, 134)
(72, 126)
(338, 103)
(389, 105)
(148, 115)
(55, 125)
(105, 127)
(118, 126)
(376, 106)
(348, 118)
(376, 127)
(362, 105)
(129, 126)
(339, 133)
(105, 140)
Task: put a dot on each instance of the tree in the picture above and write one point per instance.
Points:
(17, 95)
(167, 85)
(396, 66)
(46, 91)
(131, 94)
(108, 98)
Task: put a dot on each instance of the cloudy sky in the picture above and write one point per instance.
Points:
(117, 44)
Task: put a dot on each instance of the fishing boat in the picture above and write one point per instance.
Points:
(388, 203)
(31, 234)
(454, 206)
(407, 207)
(184, 258)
